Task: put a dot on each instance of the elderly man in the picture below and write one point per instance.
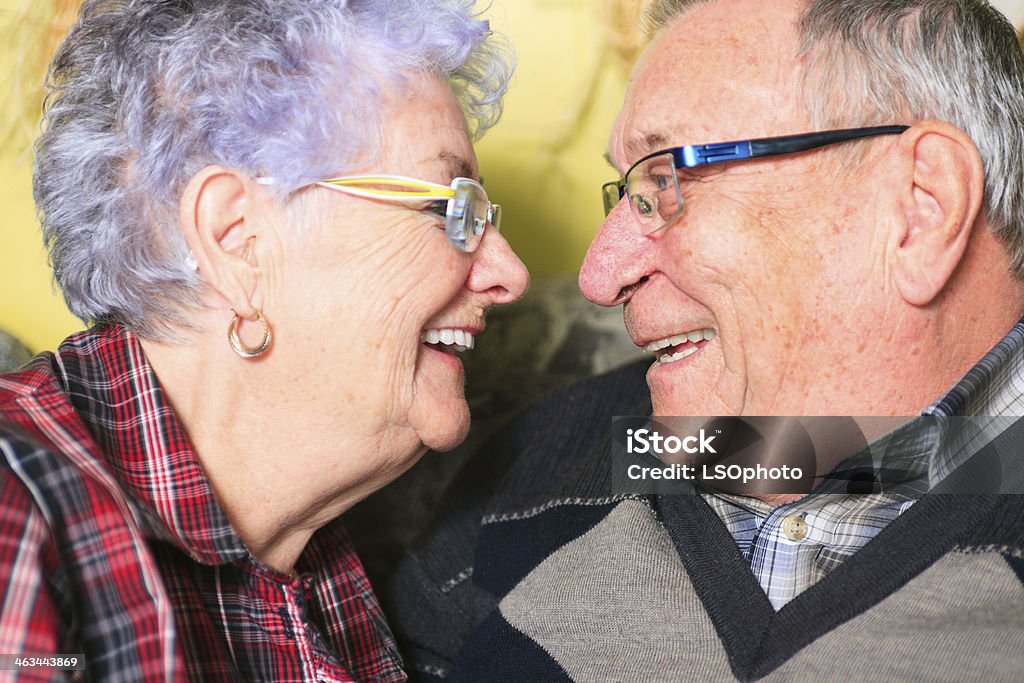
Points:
(862, 255)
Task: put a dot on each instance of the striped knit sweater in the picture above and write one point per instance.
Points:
(534, 572)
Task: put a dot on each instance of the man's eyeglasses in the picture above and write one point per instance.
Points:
(467, 211)
(652, 183)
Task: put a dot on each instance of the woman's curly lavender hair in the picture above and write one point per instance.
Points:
(144, 93)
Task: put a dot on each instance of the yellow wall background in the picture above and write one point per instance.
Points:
(543, 163)
(29, 308)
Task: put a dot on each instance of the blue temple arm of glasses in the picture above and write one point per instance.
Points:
(698, 155)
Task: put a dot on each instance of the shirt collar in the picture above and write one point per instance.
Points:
(116, 393)
(994, 386)
(981, 405)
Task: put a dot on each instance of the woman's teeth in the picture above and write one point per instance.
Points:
(456, 340)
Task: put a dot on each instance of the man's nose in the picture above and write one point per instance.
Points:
(617, 258)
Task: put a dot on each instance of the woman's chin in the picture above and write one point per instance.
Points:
(446, 440)
(440, 414)
(445, 429)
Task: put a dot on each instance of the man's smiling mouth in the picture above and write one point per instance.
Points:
(678, 347)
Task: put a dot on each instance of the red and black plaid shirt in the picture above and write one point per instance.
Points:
(113, 545)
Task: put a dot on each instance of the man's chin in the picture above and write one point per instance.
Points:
(670, 396)
(670, 404)
(675, 405)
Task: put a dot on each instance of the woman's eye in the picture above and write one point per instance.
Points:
(440, 208)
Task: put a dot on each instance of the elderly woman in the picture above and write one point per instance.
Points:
(272, 212)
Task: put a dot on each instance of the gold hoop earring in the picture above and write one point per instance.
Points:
(249, 351)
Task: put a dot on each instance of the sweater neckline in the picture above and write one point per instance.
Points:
(757, 639)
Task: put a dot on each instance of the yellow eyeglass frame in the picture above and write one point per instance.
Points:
(466, 216)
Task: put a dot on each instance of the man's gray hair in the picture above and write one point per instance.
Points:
(873, 62)
(144, 93)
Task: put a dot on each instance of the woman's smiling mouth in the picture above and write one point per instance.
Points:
(448, 339)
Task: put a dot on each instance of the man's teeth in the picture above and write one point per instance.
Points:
(671, 357)
(460, 340)
(694, 337)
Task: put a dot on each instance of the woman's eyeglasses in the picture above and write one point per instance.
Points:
(467, 210)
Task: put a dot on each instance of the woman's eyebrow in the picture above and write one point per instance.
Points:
(457, 165)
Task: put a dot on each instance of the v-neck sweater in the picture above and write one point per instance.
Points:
(546, 577)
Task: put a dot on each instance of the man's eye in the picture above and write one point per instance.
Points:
(661, 181)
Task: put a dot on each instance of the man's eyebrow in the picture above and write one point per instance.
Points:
(642, 144)
(652, 142)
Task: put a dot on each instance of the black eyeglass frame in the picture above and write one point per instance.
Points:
(691, 156)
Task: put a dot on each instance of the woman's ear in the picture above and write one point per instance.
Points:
(213, 211)
(941, 199)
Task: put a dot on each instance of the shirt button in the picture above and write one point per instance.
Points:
(794, 527)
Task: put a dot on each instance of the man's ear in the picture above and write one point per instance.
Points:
(213, 212)
(941, 198)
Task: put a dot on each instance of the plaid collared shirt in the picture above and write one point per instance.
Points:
(834, 526)
(113, 545)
